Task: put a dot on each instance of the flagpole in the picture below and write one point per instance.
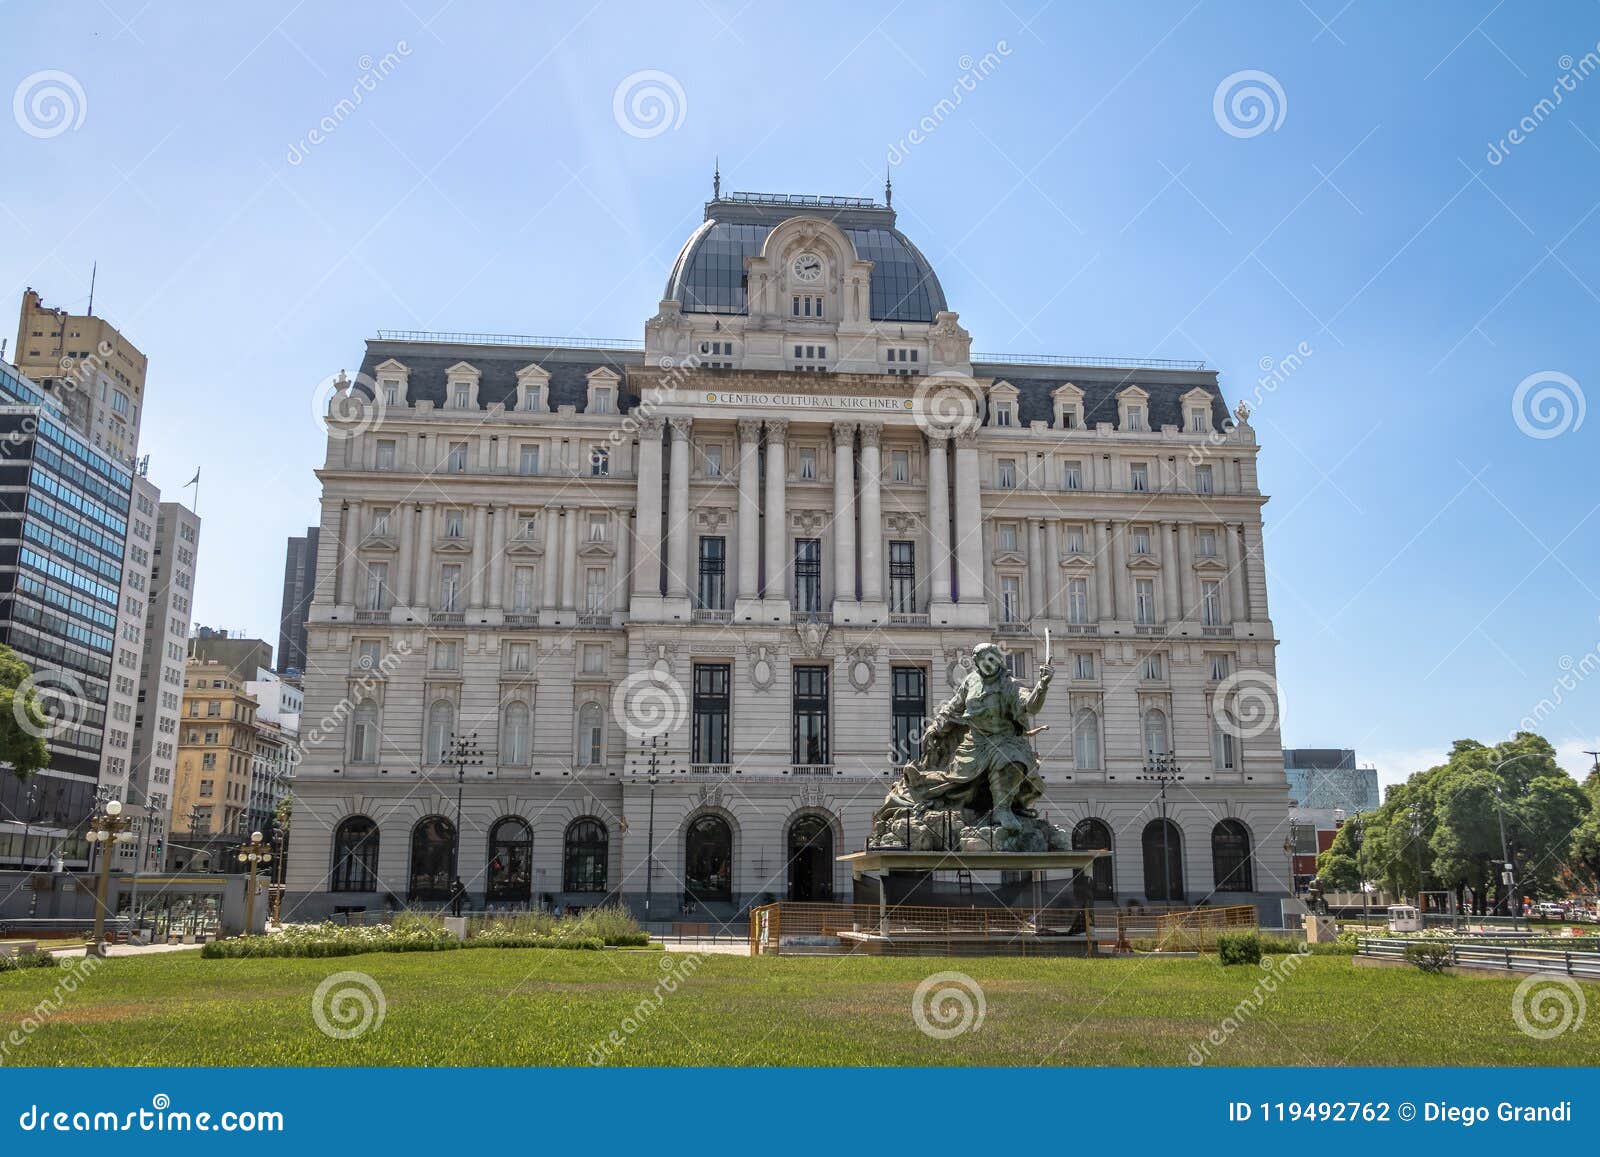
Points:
(195, 482)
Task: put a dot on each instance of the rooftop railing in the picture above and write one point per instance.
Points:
(1106, 363)
(516, 339)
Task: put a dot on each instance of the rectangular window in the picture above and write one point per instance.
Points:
(714, 460)
(902, 577)
(1075, 540)
(711, 595)
(594, 658)
(908, 711)
(369, 654)
(808, 575)
(1136, 418)
(377, 586)
(446, 655)
(1017, 664)
(391, 391)
(711, 703)
(1207, 539)
(1141, 540)
(1144, 602)
(599, 462)
(1211, 604)
(1072, 476)
(1083, 665)
(519, 657)
(602, 401)
(599, 527)
(1139, 476)
(528, 460)
(522, 590)
(899, 466)
(450, 587)
(385, 460)
(1078, 601)
(1006, 537)
(460, 396)
(1218, 668)
(1204, 483)
(1199, 420)
(1152, 668)
(1006, 473)
(456, 463)
(808, 462)
(380, 522)
(1010, 599)
(1002, 414)
(454, 523)
(811, 716)
(594, 590)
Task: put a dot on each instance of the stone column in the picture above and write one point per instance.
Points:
(678, 510)
(1121, 582)
(1105, 607)
(969, 531)
(1052, 570)
(569, 561)
(480, 555)
(872, 519)
(749, 513)
(1236, 575)
(1035, 569)
(619, 584)
(497, 558)
(1191, 583)
(1170, 573)
(777, 530)
(1255, 571)
(550, 580)
(938, 523)
(647, 517)
(352, 526)
(844, 518)
(422, 577)
(405, 557)
(327, 582)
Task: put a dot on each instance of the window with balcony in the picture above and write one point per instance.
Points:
(595, 591)
(902, 577)
(591, 735)
(377, 591)
(522, 588)
(808, 575)
(450, 587)
(1144, 602)
(1078, 601)
(1211, 603)
(908, 711)
(1010, 599)
(711, 713)
(711, 594)
(811, 715)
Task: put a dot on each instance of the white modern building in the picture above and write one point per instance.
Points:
(277, 745)
(657, 621)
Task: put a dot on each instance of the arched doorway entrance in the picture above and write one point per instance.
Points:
(1163, 861)
(1094, 835)
(811, 859)
(708, 859)
(433, 843)
(510, 875)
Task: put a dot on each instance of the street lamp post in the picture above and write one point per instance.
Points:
(464, 753)
(1288, 850)
(1508, 874)
(106, 829)
(255, 853)
(652, 777)
(1416, 840)
(1161, 768)
(27, 822)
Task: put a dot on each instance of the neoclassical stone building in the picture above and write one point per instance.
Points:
(706, 588)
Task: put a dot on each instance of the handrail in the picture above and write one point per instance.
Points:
(517, 339)
(1100, 362)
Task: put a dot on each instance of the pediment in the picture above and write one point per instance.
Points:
(1144, 562)
(452, 546)
(597, 550)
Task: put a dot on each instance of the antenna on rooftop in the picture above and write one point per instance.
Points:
(716, 178)
(888, 189)
(93, 273)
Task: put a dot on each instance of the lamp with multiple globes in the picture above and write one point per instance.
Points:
(108, 827)
(256, 853)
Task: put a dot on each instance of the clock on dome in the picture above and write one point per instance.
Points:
(807, 267)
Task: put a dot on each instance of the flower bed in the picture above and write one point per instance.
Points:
(591, 931)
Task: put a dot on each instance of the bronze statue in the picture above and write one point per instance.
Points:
(973, 785)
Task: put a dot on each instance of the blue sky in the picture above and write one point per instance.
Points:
(1433, 564)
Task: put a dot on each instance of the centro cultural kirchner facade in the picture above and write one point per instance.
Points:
(752, 553)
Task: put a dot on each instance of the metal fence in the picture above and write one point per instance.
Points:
(1512, 957)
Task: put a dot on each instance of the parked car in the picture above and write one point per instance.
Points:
(1550, 910)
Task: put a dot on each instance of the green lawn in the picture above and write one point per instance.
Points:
(531, 1007)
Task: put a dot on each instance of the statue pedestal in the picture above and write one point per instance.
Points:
(1321, 929)
(1024, 917)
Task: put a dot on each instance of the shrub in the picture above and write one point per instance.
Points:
(24, 960)
(1429, 956)
(1239, 948)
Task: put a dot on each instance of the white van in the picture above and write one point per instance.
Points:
(1404, 918)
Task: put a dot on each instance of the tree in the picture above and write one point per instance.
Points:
(23, 723)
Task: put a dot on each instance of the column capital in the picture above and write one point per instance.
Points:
(843, 433)
(651, 426)
(681, 426)
(937, 439)
(778, 428)
(749, 429)
(968, 438)
(871, 433)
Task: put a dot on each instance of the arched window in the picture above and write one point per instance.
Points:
(584, 857)
(441, 726)
(708, 859)
(1086, 740)
(811, 858)
(1223, 749)
(510, 875)
(1155, 732)
(1163, 861)
(516, 733)
(355, 856)
(364, 734)
(433, 843)
(591, 735)
(1230, 857)
(1094, 835)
